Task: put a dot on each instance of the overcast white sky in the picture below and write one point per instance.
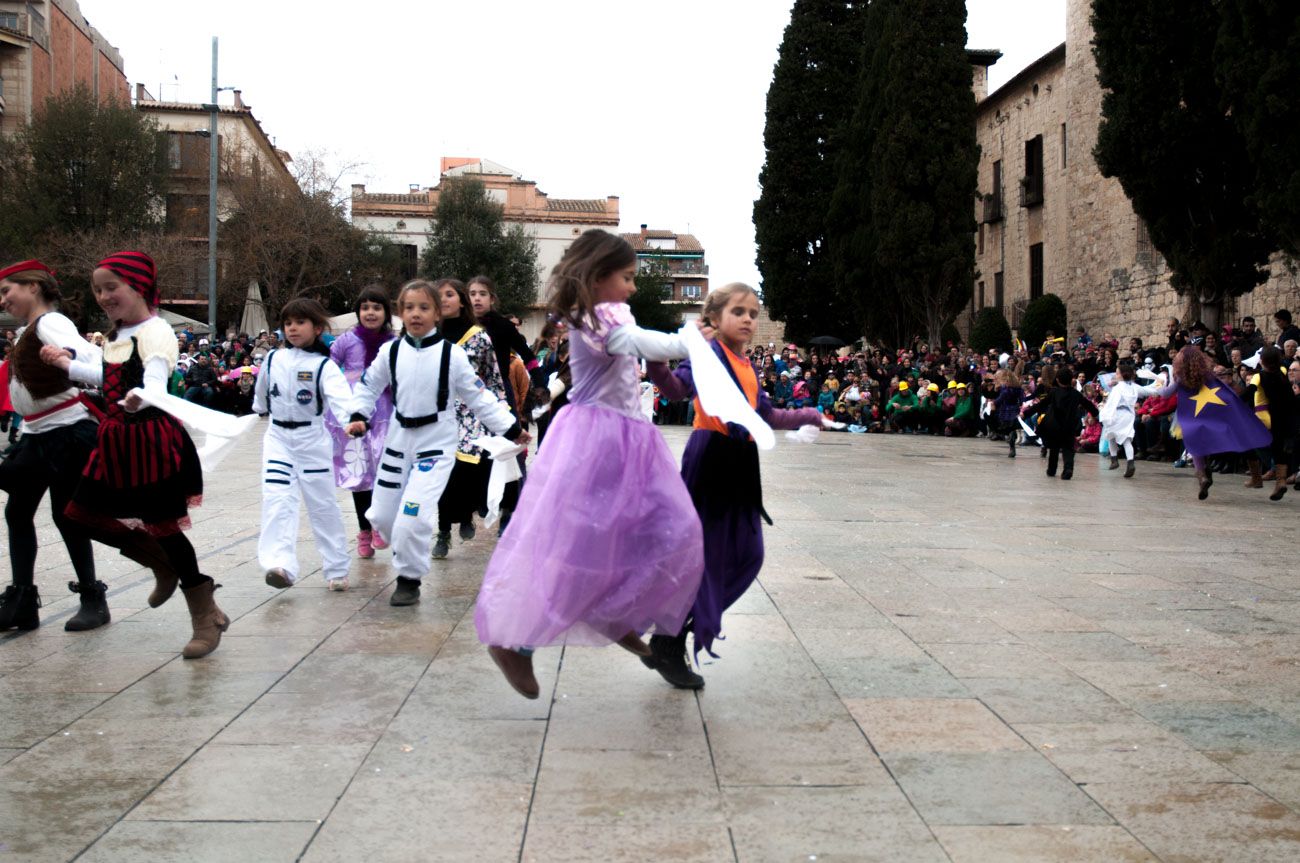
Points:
(661, 104)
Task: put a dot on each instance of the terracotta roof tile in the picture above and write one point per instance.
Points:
(685, 242)
(575, 205)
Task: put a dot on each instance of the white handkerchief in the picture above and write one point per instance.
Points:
(718, 393)
(221, 431)
(505, 469)
(805, 434)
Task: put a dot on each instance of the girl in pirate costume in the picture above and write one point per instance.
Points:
(720, 469)
(426, 374)
(298, 385)
(58, 435)
(144, 472)
(467, 487)
(356, 461)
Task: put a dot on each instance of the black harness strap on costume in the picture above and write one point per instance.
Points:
(320, 398)
(444, 390)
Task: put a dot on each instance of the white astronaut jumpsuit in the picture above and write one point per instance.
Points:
(421, 445)
(296, 387)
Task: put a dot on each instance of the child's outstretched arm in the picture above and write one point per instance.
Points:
(675, 384)
(260, 388)
(374, 381)
(490, 410)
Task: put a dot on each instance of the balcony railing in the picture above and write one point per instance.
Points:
(992, 208)
(1031, 190)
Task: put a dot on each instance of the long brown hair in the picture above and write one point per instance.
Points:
(592, 257)
(1191, 367)
(462, 291)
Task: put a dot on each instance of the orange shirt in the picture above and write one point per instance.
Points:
(744, 371)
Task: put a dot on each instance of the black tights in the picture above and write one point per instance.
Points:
(361, 500)
(180, 552)
(20, 513)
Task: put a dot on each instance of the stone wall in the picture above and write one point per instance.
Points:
(1096, 257)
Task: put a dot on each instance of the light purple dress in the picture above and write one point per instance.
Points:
(356, 460)
(605, 540)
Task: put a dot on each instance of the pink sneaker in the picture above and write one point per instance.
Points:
(364, 547)
(377, 542)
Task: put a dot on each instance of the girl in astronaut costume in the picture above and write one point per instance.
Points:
(426, 374)
(296, 386)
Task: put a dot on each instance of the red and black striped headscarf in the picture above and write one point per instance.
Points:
(136, 269)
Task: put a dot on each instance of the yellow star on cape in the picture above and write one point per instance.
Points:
(1205, 397)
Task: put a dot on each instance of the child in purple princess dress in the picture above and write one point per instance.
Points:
(605, 543)
(356, 460)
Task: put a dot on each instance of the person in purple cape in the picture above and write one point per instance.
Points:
(721, 472)
(356, 460)
(1213, 419)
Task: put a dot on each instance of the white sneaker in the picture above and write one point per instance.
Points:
(278, 578)
(338, 583)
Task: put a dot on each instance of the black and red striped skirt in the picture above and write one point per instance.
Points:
(144, 474)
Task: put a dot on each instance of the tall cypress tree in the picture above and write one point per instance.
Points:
(903, 208)
(1180, 158)
(807, 102)
(1257, 57)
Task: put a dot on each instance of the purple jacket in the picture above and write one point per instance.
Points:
(678, 385)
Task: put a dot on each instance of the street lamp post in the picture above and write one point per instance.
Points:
(212, 201)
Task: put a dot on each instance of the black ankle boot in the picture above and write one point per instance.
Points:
(94, 607)
(407, 591)
(18, 606)
(668, 657)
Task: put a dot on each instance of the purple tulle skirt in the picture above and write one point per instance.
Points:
(605, 540)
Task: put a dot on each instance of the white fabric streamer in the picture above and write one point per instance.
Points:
(805, 434)
(718, 393)
(221, 430)
(505, 469)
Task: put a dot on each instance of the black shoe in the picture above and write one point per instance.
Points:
(1114, 463)
(1042, 453)
(505, 520)
(1051, 471)
(467, 531)
(1277, 493)
(668, 657)
(1011, 453)
(442, 545)
(1067, 472)
(18, 607)
(94, 607)
(407, 592)
(1130, 470)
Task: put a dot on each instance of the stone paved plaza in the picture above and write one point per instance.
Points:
(949, 657)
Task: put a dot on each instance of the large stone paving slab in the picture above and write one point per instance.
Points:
(948, 656)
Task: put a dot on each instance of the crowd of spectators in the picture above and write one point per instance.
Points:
(951, 390)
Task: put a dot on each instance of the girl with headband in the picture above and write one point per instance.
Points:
(144, 472)
(58, 435)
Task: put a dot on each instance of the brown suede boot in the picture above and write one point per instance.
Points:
(208, 620)
(1255, 481)
(164, 585)
(1279, 489)
(518, 670)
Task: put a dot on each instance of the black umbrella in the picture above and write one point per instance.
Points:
(826, 342)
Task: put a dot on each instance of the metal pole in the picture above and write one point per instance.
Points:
(212, 203)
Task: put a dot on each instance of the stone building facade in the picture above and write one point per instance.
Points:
(244, 150)
(682, 256)
(1049, 222)
(48, 47)
(407, 218)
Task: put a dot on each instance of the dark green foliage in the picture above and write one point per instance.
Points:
(991, 330)
(649, 304)
(80, 167)
(1042, 314)
(468, 239)
(1257, 57)
(1178, 155)
(950, 335)
(808, 100)
(901, 217)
